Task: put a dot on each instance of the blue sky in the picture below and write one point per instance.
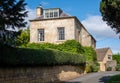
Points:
(87, 11)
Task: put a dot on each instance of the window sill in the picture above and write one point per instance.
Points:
(41, 41)
(60, 40)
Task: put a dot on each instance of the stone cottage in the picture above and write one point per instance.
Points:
(104, 57)
(54, 26)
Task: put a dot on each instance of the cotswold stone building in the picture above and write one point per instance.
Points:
(54, 26)
(104, 58)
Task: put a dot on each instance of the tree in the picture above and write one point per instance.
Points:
(117, 58)
(110, 10)
(12, 17)
(23, 38)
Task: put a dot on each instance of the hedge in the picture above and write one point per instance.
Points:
(72, 46)
(42, 57)
(68, 46)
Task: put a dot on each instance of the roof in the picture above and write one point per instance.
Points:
(63, 14)
(42, 19)
(52, 9)
(101, 53)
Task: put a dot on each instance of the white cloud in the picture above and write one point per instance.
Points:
(116, 50)
(31, 14)
(98, 28)
(104, 35)
(113, 43)
(44, 3)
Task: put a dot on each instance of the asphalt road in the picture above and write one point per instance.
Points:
(100, 77)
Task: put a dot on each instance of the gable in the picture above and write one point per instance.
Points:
(101, 53)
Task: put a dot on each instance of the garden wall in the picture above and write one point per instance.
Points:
(39, 74)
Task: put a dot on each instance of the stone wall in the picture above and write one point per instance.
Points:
(102, 66)
(112, 64)
(39, 74)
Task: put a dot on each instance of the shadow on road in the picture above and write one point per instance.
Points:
(104, 79)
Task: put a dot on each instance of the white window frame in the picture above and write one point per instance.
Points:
(61, 33)
(41, 35)
(51, 13)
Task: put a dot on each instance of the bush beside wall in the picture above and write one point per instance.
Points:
(43, 57)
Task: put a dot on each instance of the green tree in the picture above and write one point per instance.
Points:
(23, 38)
(12, 16)
(117, 58)
(110, 10)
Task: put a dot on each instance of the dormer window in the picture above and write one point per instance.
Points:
(51, 13)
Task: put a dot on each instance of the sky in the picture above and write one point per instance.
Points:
(87, 11)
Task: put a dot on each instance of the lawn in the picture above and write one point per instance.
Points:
(115, 79)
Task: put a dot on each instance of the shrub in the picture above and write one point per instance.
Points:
(95, 67)
(109, 68)
(41, 46)
(117, 67)
(92, 67)
(88, 68)
(90, 54)
(42, 57)
(71, 46)
(68, 46)
(23, 39)
(117, 58)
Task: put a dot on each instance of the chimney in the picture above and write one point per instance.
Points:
(39, 11)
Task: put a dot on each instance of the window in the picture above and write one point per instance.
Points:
(41, 35)
(55, 14)
(61, 33)
(51, 13)
(47, 15)
(109, 57)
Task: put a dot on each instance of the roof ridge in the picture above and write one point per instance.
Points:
(103, 48)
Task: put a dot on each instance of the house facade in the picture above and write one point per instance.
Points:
(104, 57)
(54, 26)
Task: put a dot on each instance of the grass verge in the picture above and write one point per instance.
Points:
(115, 79)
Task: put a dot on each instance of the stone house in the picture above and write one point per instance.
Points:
(54, 26)
(104, 58)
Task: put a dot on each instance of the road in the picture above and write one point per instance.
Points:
(100, 77)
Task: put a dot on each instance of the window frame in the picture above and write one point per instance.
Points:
(41, 34)
(51, 13)
(61, 33)
(109, 57)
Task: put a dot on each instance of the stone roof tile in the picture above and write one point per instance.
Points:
(101, 53)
